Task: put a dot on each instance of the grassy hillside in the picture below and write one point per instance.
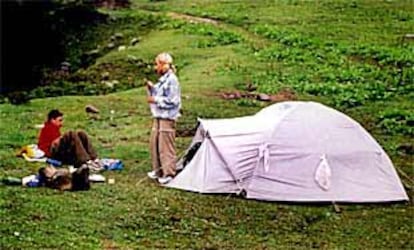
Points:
(345, 54)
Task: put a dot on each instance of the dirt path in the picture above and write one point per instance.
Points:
(190, 18)
(251, 38)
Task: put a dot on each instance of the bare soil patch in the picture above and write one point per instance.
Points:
(190, 18)
(282, 95)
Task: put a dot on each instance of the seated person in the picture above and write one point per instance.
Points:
(72, 148)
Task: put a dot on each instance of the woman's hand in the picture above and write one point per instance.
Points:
(149, 84)
(150, 99)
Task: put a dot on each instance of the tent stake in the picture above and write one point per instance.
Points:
(336, 207)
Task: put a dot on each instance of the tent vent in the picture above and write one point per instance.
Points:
(323, 174)
(264, 153)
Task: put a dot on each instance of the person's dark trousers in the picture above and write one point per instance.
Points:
(75, 148)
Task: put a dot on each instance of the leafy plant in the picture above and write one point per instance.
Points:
(397, 121)
(217, 36)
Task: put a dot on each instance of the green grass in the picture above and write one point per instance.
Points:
(344, 54)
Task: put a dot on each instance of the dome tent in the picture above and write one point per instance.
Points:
(290, 151)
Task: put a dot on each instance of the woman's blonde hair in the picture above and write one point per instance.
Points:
(167, 61)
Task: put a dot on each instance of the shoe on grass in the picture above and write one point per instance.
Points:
(94, 166)
(164, 180)
(152, 175)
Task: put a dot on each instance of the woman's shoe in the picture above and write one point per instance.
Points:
(164, 180)
(152, 175)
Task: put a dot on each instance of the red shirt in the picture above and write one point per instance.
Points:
(47, 135)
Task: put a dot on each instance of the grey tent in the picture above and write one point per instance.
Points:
(290, 151)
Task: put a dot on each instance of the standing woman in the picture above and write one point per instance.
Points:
(164, 99)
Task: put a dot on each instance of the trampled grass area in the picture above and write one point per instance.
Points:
(344, 54)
